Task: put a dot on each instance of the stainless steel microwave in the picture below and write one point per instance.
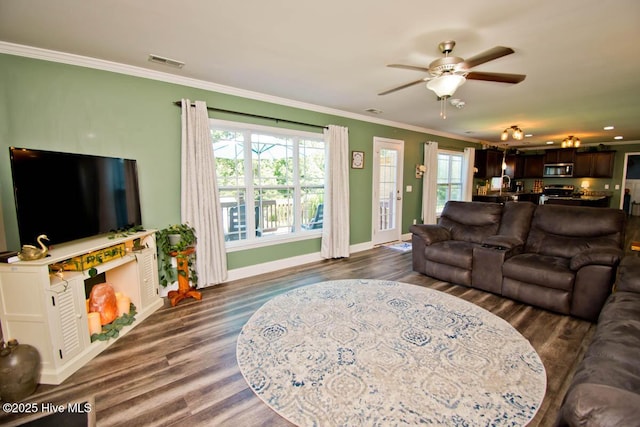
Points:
(553, 170)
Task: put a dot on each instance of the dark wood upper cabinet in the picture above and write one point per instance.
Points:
(489, 163)
(515, 165)
(533, 166)
(561, 155)
(594, 164)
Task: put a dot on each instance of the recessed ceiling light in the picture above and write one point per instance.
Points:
(608, 128)
(528, 135)
(549, 142)
(618, 137)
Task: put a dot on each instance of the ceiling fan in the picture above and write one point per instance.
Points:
(447, 74)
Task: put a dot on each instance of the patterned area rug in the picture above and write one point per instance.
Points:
(401, 246)
(370, 352)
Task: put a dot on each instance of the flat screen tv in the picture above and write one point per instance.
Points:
(72, 196)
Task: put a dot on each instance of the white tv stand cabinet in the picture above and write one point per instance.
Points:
(49, 312)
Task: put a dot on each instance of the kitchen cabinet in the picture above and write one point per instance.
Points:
(594, 164)
(532, 166)
(515, 165)
(488, 163)
(560, 155)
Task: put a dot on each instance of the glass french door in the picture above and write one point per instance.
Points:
(387, 190)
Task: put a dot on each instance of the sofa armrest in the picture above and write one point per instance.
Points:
(503, 241)
(629, 274)
(430, 233)
(604, 256)
(590, 405)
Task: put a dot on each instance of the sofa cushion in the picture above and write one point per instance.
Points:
(600, 405)
(471, 221)
(618, 331)
(606, 256)
(613, 354)
(541, 270)
(516, 220)
(605, 390)
(629, 274)
(564, 231)
(451, 252)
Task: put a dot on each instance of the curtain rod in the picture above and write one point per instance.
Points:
(257, 116)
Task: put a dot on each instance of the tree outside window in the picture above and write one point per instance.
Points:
(276, 174)
(449, 183)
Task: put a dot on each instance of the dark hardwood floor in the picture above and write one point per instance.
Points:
(179, 368)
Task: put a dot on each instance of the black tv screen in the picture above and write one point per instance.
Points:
(72, 196)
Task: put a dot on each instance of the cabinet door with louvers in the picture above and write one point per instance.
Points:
(148, 268)
(67, 311)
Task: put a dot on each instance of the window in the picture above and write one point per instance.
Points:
(275, 174)
(449, 178)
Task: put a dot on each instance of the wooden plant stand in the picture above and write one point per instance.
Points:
(184, 290)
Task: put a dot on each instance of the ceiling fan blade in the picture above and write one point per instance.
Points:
(403, 86)
(489, 55)
(409, 67)
(496, 77)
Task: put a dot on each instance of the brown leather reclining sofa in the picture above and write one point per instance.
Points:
(605, 390)
(560, 258)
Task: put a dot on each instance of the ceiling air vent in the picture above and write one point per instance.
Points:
(373, 111)
(165, 61)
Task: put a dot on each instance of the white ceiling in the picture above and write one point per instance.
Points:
(581, 57)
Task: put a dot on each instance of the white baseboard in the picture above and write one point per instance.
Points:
(268, 267)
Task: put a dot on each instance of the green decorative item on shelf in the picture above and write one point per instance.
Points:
(125, 232)
(171, 242)
(112, 330)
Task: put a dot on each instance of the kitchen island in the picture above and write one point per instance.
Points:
(593, 201)
(507, 196)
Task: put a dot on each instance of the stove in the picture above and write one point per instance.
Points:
(558, 190)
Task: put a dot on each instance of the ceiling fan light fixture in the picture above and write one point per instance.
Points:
(446, 85)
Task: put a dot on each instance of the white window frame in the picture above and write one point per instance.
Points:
(451, 153)
(247, 128)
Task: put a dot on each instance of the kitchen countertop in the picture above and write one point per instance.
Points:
(505, 196)
(576, 199)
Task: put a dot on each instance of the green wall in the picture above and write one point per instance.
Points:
(62, 107)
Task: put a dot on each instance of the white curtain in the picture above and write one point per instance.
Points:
(200, 202)
(335, 226)
(467, 173)
(429, 183)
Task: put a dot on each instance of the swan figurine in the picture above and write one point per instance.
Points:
(30, 252)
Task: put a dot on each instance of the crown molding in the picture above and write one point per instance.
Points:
(115, 67)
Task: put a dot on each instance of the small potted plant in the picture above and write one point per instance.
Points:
(172, 242)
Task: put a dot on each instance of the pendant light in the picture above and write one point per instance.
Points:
(571, 141)
(516, 133)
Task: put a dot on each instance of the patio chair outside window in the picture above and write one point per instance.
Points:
(316, 222)
(238, 223)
